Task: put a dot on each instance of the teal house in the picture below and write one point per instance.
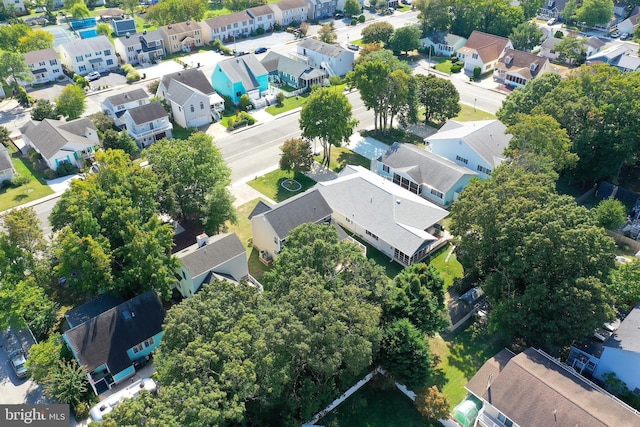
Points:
(110, 338)
(239, 75)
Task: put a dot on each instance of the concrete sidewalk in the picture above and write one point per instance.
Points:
(244, 193)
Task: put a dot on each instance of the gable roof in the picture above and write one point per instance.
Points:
(535, 390)
(224, 20)
(147, 113)
(550, 43)
(130, 40)
(90, 45)
(309, 206)
(424, 167)
(79, 315)
(401, 217)
(260, 10)
(526, 64)
(488, 46)
(49, 135)
(125, 98)
(191, 77)
(244, 69)
(276, 62)
(37, 56)
(290, 4)
(443, 38)
(485, 137)
(594, 42)
(180, 27)
(219, 249)
(261, 207)
(329, 50)
(153, 35)
(107, 337)
(5, 159)
(627, 336)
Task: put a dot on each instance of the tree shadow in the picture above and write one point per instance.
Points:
(351, 158)
(20, 197)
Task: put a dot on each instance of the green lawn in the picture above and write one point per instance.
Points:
(243, 227)
(373, 406)
(181, 133)
(444, 66)
(459, 357)
(449, 270)
(143, 24)
(295, 102)
(468, 114)
(342, 156)
(270, 184)
(35, 189)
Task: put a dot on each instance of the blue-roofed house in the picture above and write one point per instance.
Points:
(243, 74)
(122, 27)
(110, 343)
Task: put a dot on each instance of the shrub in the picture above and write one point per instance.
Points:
(245, 102)
(361, 19)
(280, 98)
(66, 169)
(6, 183)
(354, 21)
(335, 80)
(454, 59)
(23, 98)
(127, 68)
(477, 72)
(455, 68)
(294, 24)
(133, 76)
(260, 31)
(49, 174)
(19, 180)
(153, 87)
(82, 411)
(277, 27)
(80, 81)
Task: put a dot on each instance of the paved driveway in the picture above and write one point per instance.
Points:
(14, 390)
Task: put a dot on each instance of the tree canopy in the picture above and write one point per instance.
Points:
(525, 99)
(71, 102)
(377, 32)
(44, 109)
(171, 11)
(439, 97)
(593, 12)
(13, 68)
(326, 34)
(405, 39)
(526, 36)
(434, 15)
(296, 155)
(541, 258)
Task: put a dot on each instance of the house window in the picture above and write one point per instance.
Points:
(107, 52)
(385, 168)
(484, 170)
(79, 59)
(82, 68)
(238, 94)
(87, 55)
(462, 159)
(474, 56)
(56, 70)
(373, 236)
(173, 37)
(192, 108)
(109, 61)
(201, 105)
(145, 344)
(437, 193)
(504, 420)
(130, 49)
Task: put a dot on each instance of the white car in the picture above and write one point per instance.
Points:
(94, 75)
(18, 360)
(552, 21)
(98, 412)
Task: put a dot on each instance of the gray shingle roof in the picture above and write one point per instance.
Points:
(243, 69)
(220, 249)
(37, 56)
(627, 336)
(179, 92)
(122, 26)
(107, 337)
(521, 62)
(533, 390)
(276, 62)
(424, 167)
(551, 42)
(290, 4)
(191, 77)
(92, 44)
(129, 41)
(125, 98)
(180, 27)
(329, 50)
(309, 206)
(5, 159)
(224, 20)
(49, 136)
(485, 137)
(88, 311)
(261, 207)
(147, 113)
(394, 214)
(260, 10)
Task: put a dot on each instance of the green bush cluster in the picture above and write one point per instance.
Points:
(80, 81)
(132, 74)
(19, 180)
(218, 45)
(240, 120)
(361, 19)
(66, 169)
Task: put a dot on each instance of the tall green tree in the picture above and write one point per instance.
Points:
(625, 284)
(405, 352)
(526, 36)
(66, 383)
(44, 109)
(530, 8)
(35, 40)
(541, 258)
(170, 11)
(569, 11)
(610, 214)
(190, 173)
(405, 39)
(593, 12)
(525, 99)
(71, 102)
(434, 15)
(352, 7)
(377, 32)
(119, 141)
(44, 355)
(327, 116)
(13, 68)
(10, 36)
(79, 11)
(326, 34)
(296, 155)
(439, 97)
(572, 50)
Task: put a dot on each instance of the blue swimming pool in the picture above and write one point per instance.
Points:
(87, 34)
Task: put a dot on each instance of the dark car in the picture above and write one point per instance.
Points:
(18, 360)
(260, 50)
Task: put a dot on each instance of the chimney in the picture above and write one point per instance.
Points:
(202, 239)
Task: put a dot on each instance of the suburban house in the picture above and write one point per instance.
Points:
(83, 56)
(592, 45)
(61, 142)
(116, 105)
(6, 166)
(552, 9)
(142, 48)
(112, 340)
(622, 56)
(217, 257)
(226, 27)
(181, 37)
(147, 123)
(191, 97)
(335, 60)
(619, 354)
(516, 68)
(477, 145)
(435, 178)
(45, 66)
(286, 71)
(443, 44)
(122, 27)
(405, 226)
(243, 74)
(287, 11)
(17, 5)
(483, 50)
(263, 17)
(629, 25)
(533, 389)
(319, 9)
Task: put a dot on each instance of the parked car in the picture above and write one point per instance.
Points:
(94, 75)
(352, 46)
(552, 21)
(625, 36)
(615, 34)
(260, 50)
(18, 360)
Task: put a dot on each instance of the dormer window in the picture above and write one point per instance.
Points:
(533, 67)
(508, 59)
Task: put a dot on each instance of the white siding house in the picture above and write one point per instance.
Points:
(115, 105)
(483, 50)
(334, 59)
(6, 166)
(86, 55)
(263, 17)
(287, 11)
(226, 27)
(148, 123)
(45, 66)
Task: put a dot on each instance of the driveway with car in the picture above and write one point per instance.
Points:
(14, 390)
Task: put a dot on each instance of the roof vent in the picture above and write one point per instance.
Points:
(188, 22)
(169, 27)
(202, 239)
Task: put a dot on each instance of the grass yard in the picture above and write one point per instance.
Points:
(449, 270)
(143, 24)
(459, 358)
(270, 184)
(443, 66)
(35, 189)
(243, 227)
(468, 114)
(342, 156)
(288, 104)
(181, 133)
(373, 406)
